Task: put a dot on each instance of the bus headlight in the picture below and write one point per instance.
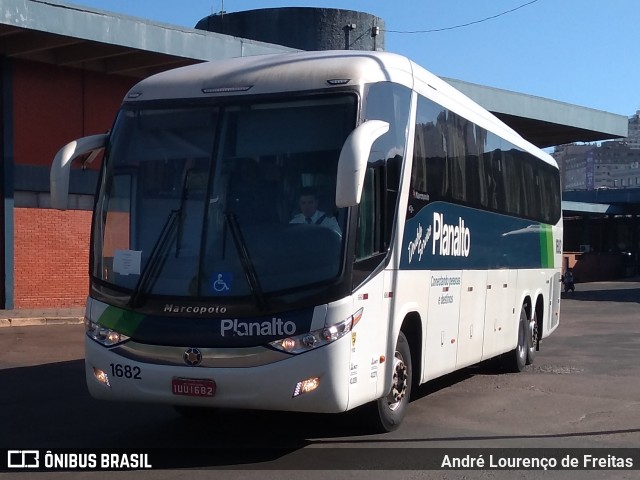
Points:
(318, 338)
(104, 336)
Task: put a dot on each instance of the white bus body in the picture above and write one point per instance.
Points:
(203, 294)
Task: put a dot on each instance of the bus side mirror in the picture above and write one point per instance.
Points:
(61, 166)
(352, 164)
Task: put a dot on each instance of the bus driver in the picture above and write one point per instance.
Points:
(310, 214)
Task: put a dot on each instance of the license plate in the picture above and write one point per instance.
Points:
(193, 387)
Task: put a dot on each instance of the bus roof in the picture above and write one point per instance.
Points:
(300, 71)
(275, 73)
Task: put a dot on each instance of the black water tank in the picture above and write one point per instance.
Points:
(304, 28)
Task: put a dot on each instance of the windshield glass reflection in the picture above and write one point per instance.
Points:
(232, 201)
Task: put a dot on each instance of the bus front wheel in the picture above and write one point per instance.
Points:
(387, 412)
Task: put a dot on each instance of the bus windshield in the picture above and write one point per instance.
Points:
(226, 200)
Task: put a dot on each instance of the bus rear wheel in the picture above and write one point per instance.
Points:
(516, 359)
(532, 338)
(386, 413)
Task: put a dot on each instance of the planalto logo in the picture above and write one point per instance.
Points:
(275, 326)
(448, 239)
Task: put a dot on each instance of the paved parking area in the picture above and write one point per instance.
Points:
(582, 392)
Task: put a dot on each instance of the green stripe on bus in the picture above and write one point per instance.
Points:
(123, 321)
(546, 247)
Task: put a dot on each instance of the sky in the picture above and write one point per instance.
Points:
(582, 52)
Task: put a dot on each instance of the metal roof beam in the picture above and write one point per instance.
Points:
(87, 52)
(143, 60)
(28, 43)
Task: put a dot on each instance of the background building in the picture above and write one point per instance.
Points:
(601, 185)
(612, 164)
(572, 162)
(634, 131)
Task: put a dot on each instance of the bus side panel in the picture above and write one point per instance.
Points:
(531, 284)
(552, 320)
(471, 331)
(442, 325)
(410, 295)
(368, 342)
(500, 329)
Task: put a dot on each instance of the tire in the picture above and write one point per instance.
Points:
(532, 338)
(516, 359)
(386, 414)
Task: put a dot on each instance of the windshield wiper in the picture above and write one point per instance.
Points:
(156, 259)
(245, 260)
(181, 213)
(160, 251)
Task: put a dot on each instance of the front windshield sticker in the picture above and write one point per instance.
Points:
(222, 283)
(127, 262)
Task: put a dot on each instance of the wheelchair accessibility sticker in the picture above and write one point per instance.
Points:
(222, 282)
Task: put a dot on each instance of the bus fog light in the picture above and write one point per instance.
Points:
(309, 340)
(101, 376)
(306, 386)
(113, 337)
(103, 335)
(288, 344)
(318, 338)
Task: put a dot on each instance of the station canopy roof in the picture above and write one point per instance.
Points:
(602, 201)
(72, 36)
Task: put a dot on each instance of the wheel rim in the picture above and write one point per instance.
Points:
(533, 330)
(400, 382)
(522, 342)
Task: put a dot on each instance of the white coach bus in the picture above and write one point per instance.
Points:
(311, 232)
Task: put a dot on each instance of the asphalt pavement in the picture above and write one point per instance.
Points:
(581, 393)
(41, 316)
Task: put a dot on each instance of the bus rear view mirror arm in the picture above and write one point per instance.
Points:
(352, 164)
(59, 179)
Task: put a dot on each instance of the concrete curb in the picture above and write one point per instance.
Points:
(39, 321)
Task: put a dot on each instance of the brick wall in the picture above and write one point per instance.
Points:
(53, 105)
(51, 257)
